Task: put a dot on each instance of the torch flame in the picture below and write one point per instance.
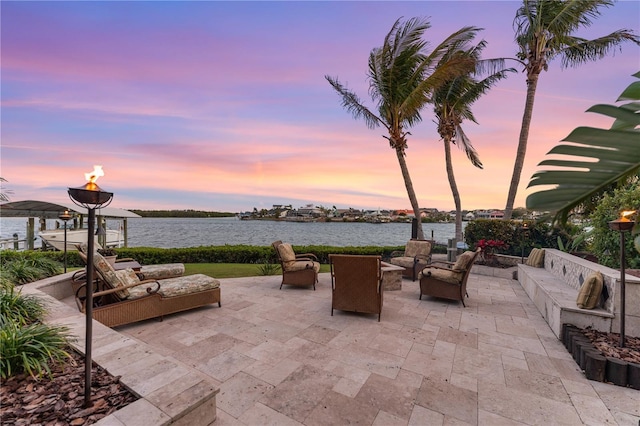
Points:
(624, 214)
(94, 175)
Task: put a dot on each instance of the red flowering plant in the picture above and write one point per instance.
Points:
(488, 247)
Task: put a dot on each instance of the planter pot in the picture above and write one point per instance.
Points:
(111, 259)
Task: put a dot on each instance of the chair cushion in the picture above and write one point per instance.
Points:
(462, 262)
(417, 248)
(448, 276)
(590, 291)
(286, 252)
(107, 272)
(536, 258)
(301, 265)
(178, 286)
(405, 262)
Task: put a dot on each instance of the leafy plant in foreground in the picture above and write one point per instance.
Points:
(18, 308)
(31, 348)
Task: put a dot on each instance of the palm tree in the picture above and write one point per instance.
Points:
(452, 105)
(4, 193)
(544, 31)
(402, 76)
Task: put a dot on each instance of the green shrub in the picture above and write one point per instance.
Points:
(18, 308)
(31, 348)
(269, 269)
(21, 271)
(27, 266)
(240, 253)
(537, 235)
(606, 243)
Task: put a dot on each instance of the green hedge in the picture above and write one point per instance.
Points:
(209, 254)
(212, 254)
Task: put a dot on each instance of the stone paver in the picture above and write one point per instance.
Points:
(280, 358)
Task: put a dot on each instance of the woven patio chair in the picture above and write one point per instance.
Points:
(448, 280)
(416, 255)
(297, 269)
(124, 298)
(356, 283)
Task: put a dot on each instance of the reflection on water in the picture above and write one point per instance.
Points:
(194, 232)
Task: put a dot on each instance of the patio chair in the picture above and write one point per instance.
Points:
(124, 298)
(297, 269)
(356, 283)
(448, 281)
(416, 255)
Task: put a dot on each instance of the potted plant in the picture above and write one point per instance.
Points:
(109, 254)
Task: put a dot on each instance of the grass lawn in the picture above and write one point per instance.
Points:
(232, 270)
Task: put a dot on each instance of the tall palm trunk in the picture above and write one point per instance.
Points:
(454, 187)
(412, 194)
(532, 84)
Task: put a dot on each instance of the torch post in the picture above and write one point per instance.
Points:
(90, 196)
(622, 225)
(65, 218)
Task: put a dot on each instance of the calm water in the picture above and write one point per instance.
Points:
(183, 232)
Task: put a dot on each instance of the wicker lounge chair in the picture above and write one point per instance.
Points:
(449, 280)
(145, 272)
(356, 283)
(297, 269)
(416, 255)
(124, 298)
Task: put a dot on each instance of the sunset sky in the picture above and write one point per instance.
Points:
(223, 106)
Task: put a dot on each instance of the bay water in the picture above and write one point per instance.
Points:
(195, 232)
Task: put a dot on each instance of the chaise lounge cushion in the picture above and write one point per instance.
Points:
(171, 287)
(110, 275)
(162, 271)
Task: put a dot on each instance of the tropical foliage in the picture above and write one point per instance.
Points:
(594, 160)
(26, 343)
(4, 193)
(545, 31)
(605, 242)
(452, 105)
(24, 267)
(402, 76)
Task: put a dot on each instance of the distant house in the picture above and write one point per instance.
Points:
(496, 214)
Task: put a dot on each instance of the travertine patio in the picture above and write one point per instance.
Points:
(280, 358)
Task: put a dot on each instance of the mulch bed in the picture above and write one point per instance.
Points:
(609, 345)
(58, 400)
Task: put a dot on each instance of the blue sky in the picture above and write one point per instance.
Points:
(224, 106)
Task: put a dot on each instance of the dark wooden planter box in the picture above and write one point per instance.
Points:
(633, 375)
(594, 364)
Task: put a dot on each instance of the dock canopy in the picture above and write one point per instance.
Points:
(47, 210)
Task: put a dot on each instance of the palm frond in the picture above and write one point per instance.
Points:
(597, 159)
(464, 143)
(351, 103)
(579, 51)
